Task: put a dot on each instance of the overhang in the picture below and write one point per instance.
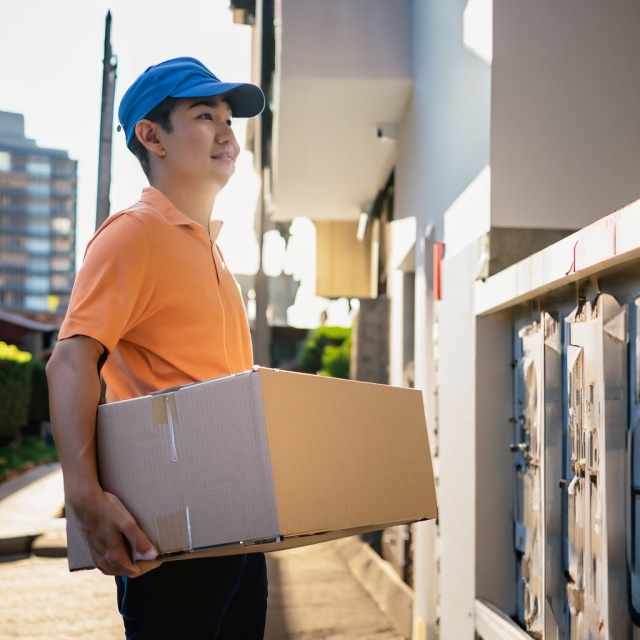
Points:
(342, 86)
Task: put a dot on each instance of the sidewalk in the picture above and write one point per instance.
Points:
(312, 593)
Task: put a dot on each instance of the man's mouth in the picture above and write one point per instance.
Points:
(224, 156)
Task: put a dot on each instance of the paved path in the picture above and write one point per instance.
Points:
(313, 595)
(41, 599)
(30, 509)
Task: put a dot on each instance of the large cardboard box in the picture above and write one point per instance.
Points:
(261, 461)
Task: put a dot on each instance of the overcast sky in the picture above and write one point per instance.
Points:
(51, 72)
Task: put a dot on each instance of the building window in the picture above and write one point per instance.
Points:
(62, 187)
(38, 245)
(38, 226)
(61, 225)
(36, 303)
(61, 282)
(39, 188)
(62, 245)
(37, 264)
(38, 208)
(5, 161)
(37, 284)
(60, 263)
(38, 166)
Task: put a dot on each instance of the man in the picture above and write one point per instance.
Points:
(154, 306)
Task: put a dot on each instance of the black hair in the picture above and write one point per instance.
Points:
(161, 114)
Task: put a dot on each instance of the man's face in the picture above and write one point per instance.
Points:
(202, 146)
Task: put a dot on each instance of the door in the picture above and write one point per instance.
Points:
(596, 367)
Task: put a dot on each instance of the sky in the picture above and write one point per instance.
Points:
(51, 72)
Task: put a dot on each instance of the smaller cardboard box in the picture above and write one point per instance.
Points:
(261, 461)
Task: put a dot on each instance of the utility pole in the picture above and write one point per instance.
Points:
(110, 65)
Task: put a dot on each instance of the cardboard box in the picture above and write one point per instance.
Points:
(261, 461)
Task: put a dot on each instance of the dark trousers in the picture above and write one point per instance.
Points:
(206, 598)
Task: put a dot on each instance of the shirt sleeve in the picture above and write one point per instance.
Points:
(112, 287)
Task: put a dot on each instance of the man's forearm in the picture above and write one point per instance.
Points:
(74, 392)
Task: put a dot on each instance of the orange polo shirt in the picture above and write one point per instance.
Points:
(155, 291)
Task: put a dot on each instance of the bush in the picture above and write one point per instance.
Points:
(31, 452)
(336, 361)
(15, 390)
(328, 352)
(39, 405)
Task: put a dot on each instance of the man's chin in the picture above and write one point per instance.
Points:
(223, 173)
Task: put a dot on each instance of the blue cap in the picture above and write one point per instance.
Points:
(184, 78)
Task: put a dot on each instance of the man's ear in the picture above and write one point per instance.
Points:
(148, 133)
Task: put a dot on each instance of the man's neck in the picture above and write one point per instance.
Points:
(194, 203)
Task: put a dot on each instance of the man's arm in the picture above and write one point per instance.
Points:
(74, 394)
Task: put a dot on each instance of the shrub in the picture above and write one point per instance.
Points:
(327, 351)
(39, 405)
(15, 390)
(336, 361)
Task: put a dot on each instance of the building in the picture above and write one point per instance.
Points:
(37, 222)
(482, 145)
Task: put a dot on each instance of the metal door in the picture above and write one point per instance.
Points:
(528, 426)
(596, 471)
(538, 447)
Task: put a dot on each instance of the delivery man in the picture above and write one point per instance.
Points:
(154, 306)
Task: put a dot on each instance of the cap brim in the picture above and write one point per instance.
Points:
(246, 100)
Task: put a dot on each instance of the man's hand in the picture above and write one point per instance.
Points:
(74, 394)
(113, 535)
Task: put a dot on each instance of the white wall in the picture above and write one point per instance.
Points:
(346, 39)
(443, 147)
(457, 447)
(565, 126)
(444, 136)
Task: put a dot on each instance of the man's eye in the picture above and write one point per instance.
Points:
(229, 122)
(207, 116)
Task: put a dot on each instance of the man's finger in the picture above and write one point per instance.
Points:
(119, 561)
(140, 544)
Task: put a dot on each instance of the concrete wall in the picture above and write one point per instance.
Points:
(346, 38)
(443, 147)
(565, 129)
(444, 136)
(457, 447)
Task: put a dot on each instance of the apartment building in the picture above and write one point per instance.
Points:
(37, 222)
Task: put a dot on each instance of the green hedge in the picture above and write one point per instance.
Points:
(39, 404)
(24, 395)
(15, 390)
(327, 352)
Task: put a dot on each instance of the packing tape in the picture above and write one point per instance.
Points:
(165, 414)
(159, 407)
(174, 532)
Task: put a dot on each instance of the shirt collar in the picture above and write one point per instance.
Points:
(172, 215)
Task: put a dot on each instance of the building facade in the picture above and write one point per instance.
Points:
(511, 131)
(37, 222)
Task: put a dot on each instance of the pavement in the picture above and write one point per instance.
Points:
(313, 594)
